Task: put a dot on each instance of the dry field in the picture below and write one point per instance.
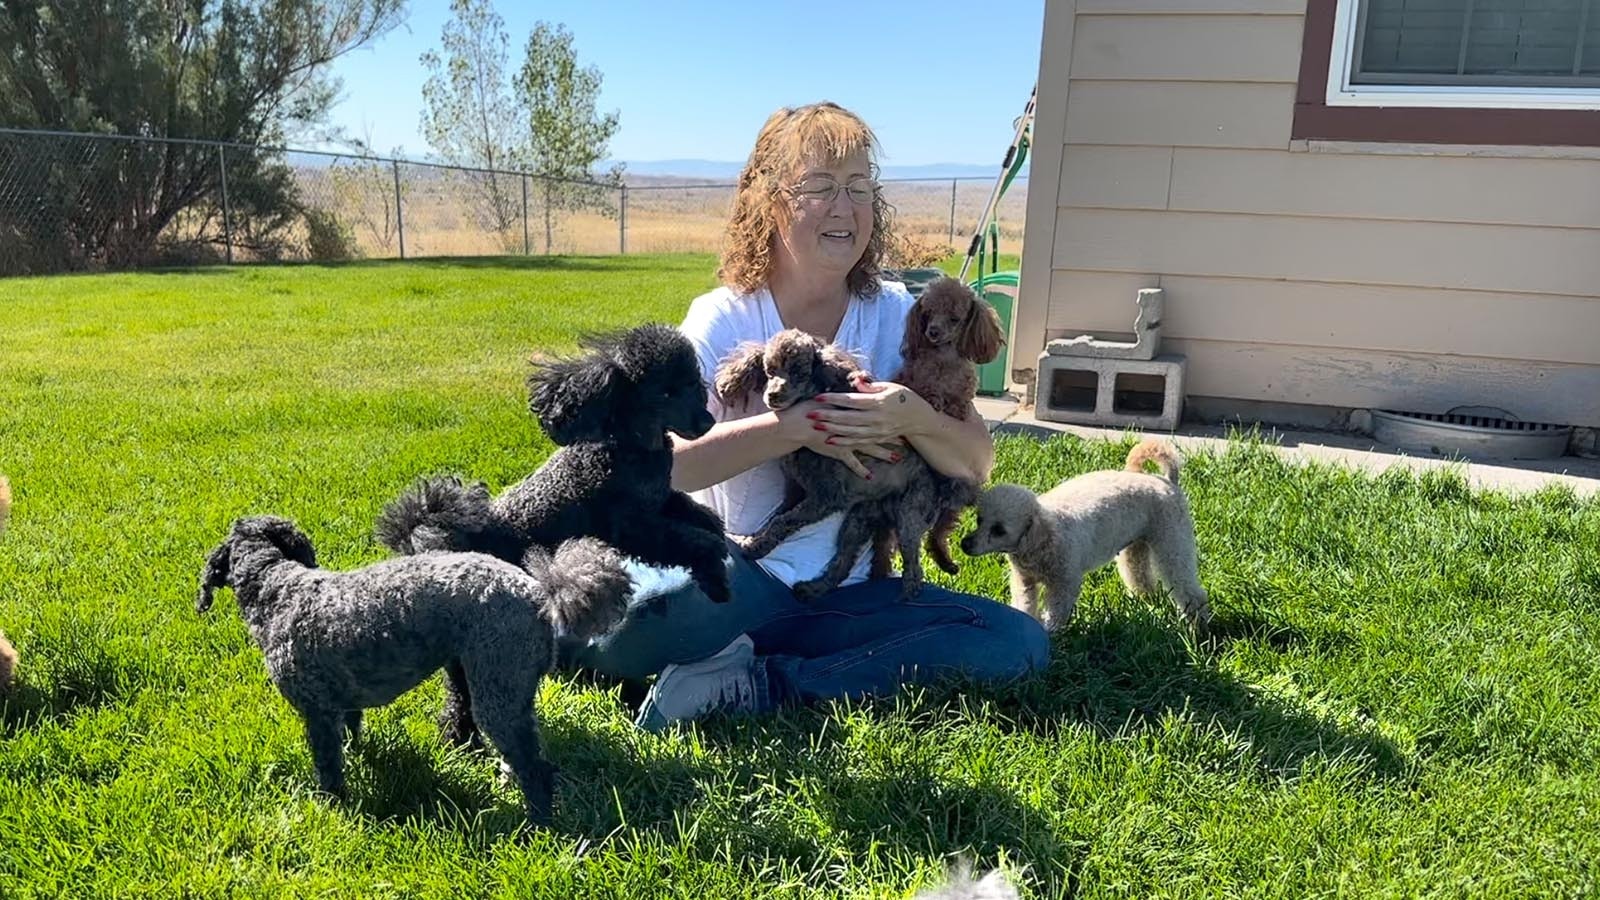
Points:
(450, 213)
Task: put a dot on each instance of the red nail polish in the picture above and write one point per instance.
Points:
(894, 458)
(829, 441)
(811, 415)
(819, 426)
(869, 476)
(817, 398)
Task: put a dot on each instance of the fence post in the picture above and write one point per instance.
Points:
(549, 226)
(227, 209)
(952, 211)
(527, 247)
(622, 227)
(399, 216)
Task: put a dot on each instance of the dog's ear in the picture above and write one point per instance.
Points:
(915, 340)
(214, 575)
(1033, 542)
(981, 337)
(290, 541)
(573, 399)
(742, 372)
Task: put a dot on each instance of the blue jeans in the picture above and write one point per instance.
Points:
(857, 641)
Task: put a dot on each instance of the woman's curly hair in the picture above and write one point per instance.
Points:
(791, 137)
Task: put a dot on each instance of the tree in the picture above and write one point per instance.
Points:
(245, 71)
(470, 116)
(566, 136)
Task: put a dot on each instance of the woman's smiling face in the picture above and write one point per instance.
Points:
(830, 234)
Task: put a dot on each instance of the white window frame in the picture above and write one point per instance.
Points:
(1341, 63)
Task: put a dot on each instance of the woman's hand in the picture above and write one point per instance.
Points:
(876, 412)
(804, 428)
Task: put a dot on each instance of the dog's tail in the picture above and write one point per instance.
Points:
(1159, 452)
(586, 586)
(441, 513)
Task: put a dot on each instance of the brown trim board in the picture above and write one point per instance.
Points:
(1315, 120)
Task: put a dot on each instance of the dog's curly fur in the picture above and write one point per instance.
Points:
(337, 643)
(611, 408)
(949, 330)
(792, 366)
(1052, 539)
(8, 653)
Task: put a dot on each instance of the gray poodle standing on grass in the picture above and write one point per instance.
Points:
(337, 643)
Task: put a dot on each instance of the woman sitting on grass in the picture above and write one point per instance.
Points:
(802, 250)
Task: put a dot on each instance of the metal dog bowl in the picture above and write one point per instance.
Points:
(1473, 432)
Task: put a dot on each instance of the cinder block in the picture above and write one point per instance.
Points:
(1146, 342)
(1084, 390)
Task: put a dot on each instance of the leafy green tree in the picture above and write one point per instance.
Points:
(470, 116)
(566, 136)
(245, 71)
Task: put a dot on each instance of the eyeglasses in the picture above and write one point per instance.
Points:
(824, 189)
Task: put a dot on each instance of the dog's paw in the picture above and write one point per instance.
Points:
(910, 589)
(810, 591)
(715, 586)
(753, 546)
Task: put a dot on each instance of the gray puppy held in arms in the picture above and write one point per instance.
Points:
(1054, 538)
(337, 643)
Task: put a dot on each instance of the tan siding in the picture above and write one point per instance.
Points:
(1349, 279)
(1422, 188)
(1180, 114)
(1542, 327)
(1547, 392)
(1115, 177)
(1188, 48)
(1196, 7)
(1467, 257)
(1049, 139)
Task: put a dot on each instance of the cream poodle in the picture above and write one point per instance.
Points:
(1052, 539)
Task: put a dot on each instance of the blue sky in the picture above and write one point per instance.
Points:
(938, 81)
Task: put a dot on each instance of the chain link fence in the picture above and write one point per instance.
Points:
(72, 202)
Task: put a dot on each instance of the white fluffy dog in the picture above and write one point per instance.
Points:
(1052, 539)
(962, 886)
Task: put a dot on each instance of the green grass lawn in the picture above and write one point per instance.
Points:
(1401, 696)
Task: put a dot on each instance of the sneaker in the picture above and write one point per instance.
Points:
(724, 682)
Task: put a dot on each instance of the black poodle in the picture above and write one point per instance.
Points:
(611, 410)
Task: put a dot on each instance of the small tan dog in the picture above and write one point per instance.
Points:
(8, 653)
(1052, 539)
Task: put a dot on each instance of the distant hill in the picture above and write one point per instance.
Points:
(719, 170)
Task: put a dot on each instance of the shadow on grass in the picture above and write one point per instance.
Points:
(1126, 673)
(773, 795)
(73, 671)
(393, 778)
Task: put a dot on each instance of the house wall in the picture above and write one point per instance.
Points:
(1407, 277)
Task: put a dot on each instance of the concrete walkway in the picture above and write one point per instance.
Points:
(1004, 414)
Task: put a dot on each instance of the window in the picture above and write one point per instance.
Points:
(1518, 54)
(1507, 72)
